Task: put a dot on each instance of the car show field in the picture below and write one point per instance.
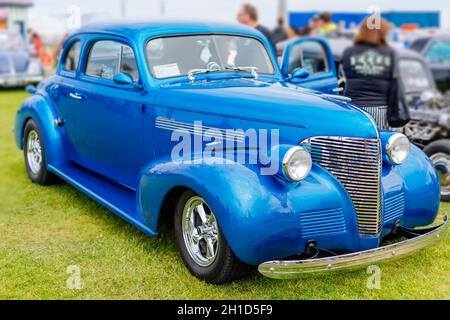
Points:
(59, 244)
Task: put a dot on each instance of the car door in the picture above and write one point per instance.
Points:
(109, 131)
(314, 55)
(61, 92)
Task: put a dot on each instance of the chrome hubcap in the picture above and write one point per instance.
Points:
(441, 162)
(34, 152)
(200, 232)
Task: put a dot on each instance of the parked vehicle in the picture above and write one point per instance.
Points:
(112, 119)
(429, 109)
(436, 51)
(18, 67)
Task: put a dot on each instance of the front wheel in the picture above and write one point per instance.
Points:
(439, 153)
(201, 243)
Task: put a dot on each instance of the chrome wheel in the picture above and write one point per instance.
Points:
(34, 152)
(441, 162)
(200, 231)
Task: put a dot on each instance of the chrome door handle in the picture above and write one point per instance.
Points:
(76, 96)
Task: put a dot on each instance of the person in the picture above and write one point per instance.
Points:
(248, 15)
(36, 42)
(279, 34)
(327, 26)
(305, 31)
(371, 70)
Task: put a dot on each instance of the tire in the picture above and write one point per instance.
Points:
(223, 266)
(34, 155)
(439, 153)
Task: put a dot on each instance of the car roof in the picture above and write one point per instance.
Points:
(148, 29)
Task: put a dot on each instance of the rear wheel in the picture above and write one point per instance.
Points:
(439, 153)
(201, 243)
(34, 154)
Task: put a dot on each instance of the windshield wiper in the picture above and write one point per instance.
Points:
(193, 72)
(252, 70)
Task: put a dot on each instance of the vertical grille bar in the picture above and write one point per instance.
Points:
(356, 163)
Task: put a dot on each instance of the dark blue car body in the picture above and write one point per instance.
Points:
(113, 143)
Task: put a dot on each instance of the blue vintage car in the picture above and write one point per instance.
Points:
(18, 66)
(254, 164)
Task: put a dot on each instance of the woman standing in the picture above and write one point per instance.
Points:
(373, 83)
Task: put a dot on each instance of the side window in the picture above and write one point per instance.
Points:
(72, 57)
(310, 55)
(107, 58)
(439, 53)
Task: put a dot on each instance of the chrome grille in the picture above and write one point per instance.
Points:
(356, 163)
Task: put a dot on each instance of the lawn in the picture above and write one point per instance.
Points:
(47, 231)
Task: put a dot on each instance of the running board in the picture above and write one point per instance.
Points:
(117, 198)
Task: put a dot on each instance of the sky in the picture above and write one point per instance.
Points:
(51, 16)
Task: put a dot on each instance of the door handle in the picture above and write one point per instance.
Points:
(76, 96)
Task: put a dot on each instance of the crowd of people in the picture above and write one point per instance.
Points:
(321, 24)
(370, 65)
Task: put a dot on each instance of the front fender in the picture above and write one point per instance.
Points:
(40, 110)
(422, 189)
(259, 215)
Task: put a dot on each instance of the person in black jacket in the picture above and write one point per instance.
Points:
(373, 83)
(248, 15)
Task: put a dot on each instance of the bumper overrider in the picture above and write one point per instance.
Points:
(417, 239)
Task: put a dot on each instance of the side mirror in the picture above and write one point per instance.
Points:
(123, 79)
(31, 89)
(299, 73)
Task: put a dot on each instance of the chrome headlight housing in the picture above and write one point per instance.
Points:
(297, 163)
(444, 120)
(397, 148)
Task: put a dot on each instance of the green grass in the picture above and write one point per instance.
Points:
(43, 230)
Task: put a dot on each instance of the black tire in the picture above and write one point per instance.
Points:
(226, 266)
(41, 176)
(433, 150)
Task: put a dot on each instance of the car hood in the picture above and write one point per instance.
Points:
(269, 105)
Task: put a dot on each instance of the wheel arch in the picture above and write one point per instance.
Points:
(39, 109)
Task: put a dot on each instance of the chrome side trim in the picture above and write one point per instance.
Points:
(290, 269)
(200, 130)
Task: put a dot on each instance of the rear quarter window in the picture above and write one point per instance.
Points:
(70, 62)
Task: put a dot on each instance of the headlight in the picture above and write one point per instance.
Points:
(34, 67)
(397, 148)
(444, 120)
(297, 163)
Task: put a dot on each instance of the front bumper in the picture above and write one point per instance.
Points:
(419, 239)
(19, 80)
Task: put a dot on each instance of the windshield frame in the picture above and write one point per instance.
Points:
(275, 67)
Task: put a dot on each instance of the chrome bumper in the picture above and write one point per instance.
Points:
(290, 269)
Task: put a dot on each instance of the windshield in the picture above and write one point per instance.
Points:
(177, 56)
(439, 52)
(414, 76)
(11, 41)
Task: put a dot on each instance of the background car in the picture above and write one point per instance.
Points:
(18, 65)
(436, 51)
